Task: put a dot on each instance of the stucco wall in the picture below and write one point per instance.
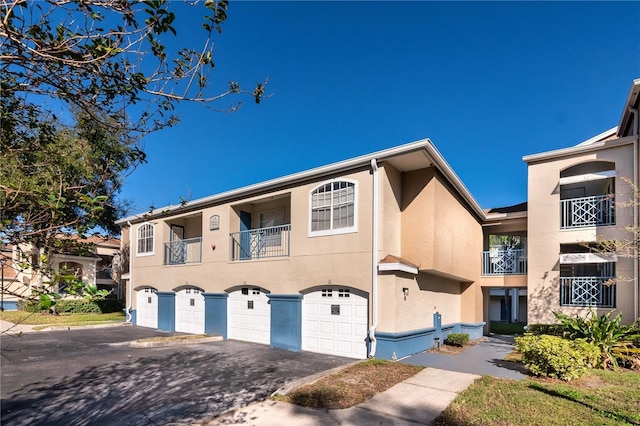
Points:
(545, 235)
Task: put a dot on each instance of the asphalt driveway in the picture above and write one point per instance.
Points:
(88, 377)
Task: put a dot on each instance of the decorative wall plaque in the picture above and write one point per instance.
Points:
(214, 222)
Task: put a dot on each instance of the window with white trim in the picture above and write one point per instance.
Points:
(333, 207)
(145, 239)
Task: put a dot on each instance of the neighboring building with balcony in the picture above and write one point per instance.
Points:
(576, 196)
(383, 254)
(100, 266)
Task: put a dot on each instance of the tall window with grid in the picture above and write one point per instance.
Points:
(333, 207)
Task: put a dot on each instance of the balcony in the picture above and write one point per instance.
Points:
(181, 252)
(504, 262)
(261, 243)
(587, 291)
(587, 211)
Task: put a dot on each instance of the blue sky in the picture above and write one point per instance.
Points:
(487, 82)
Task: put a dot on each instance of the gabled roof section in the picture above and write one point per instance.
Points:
(626, 120)
(411, 156)
(612, 137)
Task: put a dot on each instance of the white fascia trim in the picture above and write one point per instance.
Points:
(566, 152)
(401, 267)
(363, 161)
(596, 138)
(438, 160)
(588, 177)
(576, 258)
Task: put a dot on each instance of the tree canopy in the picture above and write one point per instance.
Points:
(81, 82)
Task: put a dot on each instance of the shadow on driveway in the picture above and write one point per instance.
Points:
(186, 385)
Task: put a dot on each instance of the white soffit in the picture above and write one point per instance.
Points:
(397, 267)
(573, 258)
(587, 177)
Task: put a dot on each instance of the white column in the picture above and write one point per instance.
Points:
(515, 303)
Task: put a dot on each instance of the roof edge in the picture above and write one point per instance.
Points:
(578, 149)
(363, 160)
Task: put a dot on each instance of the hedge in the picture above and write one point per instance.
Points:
(457, 339)
(556, 357)
(76, 306)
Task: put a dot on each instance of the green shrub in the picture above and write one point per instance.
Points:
(615, 340)
(556, 357)
(549, 329)
(110, 305)
(457, 339)
(76, 306)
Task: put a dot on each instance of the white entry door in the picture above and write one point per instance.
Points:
(190, 311)
(334, 321)
(249, 315)
(147, 308)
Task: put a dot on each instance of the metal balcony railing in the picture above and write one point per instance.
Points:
(587, 291)
(504, 262)
(183, 251)
(261, 243)
(587, 211)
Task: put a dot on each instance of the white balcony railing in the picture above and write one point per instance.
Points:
(261, 243)
(588, 291)
(183, 251)
(587, 211)
(504, 262)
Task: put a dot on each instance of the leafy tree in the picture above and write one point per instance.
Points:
(625, 247)
(81, 82)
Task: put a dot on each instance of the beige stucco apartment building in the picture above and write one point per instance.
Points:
(385, 254)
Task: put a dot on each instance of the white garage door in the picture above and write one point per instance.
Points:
(190, 311)
(334, 321)
(249, 315)
(147, 308)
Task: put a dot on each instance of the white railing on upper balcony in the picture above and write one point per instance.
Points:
(504, 262)
(588, 291)
(261, 243)
(587, 211)
(183, 251)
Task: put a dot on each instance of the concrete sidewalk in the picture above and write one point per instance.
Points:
(9, 327)
(486, 358)
(415, 401)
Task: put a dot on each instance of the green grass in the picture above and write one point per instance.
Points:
(600, 398)
(27, 318)
(500, 327)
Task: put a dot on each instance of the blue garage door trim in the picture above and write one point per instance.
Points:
(133, 317)
(286, 321)
(215, 313)
(166, 310)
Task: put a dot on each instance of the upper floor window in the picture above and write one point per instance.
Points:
(145, 239)
(333, 208)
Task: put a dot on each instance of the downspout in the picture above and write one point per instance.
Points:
(636, 131)
(129, 317)
(374, 261)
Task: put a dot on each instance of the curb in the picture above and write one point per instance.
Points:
(291, 386)
(173, 342)
(80, 327)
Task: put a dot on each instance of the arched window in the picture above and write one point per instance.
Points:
(145, 239)
(333, 208)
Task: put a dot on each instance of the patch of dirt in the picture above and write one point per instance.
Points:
(352, 385)
(455, 350)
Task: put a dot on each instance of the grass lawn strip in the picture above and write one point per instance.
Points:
(352, 385)
(600, 398)
(28, 318)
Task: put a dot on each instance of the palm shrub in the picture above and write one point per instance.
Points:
(615, 340)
